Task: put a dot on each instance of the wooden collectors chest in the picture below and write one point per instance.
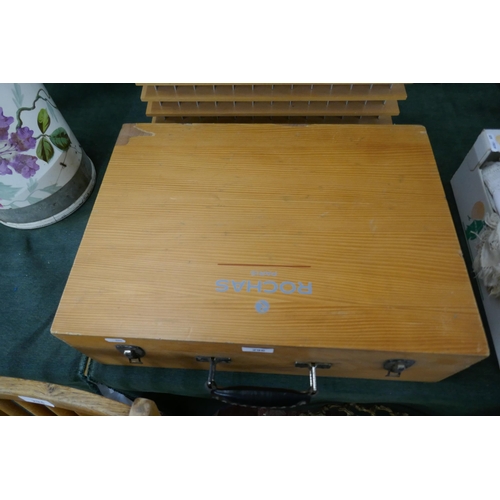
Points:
(270, 245)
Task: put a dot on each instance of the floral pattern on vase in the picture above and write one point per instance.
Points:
(38, 152)
(12, 146)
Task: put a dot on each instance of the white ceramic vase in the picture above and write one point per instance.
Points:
(44, 173)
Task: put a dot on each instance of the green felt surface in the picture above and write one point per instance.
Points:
(35, 264)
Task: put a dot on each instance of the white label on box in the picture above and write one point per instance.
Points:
(37, 401)
(115, 340)
(256, 349)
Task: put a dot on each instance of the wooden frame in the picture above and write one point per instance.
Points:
(19, 397)
(244, 103)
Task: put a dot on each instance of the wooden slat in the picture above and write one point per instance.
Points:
(277, 92)
(67, 401)
(308, 120)
(63, 397)
(13, 409)
(259, 83)
(370, 108)
(36, 409)
(62, 412)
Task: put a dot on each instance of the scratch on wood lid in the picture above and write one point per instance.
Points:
(261, 265)
(130, 130)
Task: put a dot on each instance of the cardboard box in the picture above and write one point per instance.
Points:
(474, 201)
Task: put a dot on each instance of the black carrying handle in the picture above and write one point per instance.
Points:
(261, 397)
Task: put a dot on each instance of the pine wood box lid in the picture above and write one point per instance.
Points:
(332, 236)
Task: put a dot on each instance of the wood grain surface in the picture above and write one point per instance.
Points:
(357, 213)
(278, 108)
(276, 92)
(289, 120)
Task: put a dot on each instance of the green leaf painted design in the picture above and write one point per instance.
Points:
(51, 189)
(60, 139)
(52, 113)
(473, 229)
(32, 185)
(18, 95)
(43, 120)
(13, 204)
(32, 200)
(7, 192)
(44, 150)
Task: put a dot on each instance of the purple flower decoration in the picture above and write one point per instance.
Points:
(4, 167)
(10, 148)
(5, 122)
(22, 139)
(25, 165)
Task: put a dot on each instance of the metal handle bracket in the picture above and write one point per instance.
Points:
(261, 396)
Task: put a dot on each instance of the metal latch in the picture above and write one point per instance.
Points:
(395, 367)
(134, 353)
